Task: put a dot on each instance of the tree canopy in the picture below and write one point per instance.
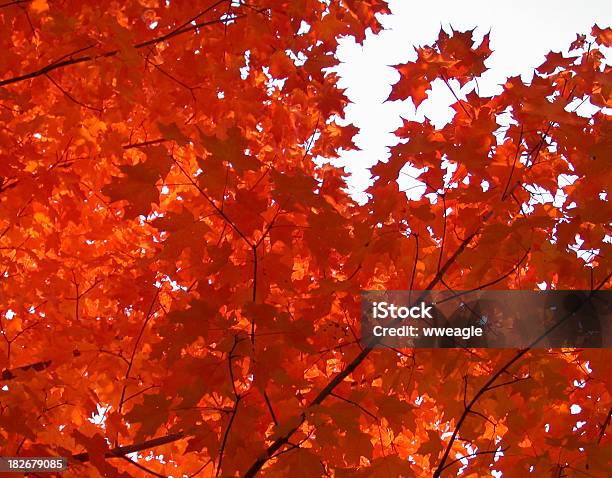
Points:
(180, 274)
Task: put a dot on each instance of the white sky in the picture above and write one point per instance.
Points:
(522, 32)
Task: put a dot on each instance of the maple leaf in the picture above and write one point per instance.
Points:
(230, 147)
(151, 414)
(138, 186)
(451, 57)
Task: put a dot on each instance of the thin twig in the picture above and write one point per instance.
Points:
(471, 455)
(215, 207)
(237, 398)
(70, 97)
(199, 470)
(443, 232)
(143, 468)
(516, 156)
(145, 143)
(355, 404)
(270, 409)
(604, 425)
(456, 97)
(131, 362)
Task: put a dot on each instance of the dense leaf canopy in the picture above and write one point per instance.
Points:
(180, 275)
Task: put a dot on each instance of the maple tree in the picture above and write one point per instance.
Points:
(180, 277)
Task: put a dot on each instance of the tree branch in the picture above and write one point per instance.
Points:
(145, 143)
(70, 97)
(212, 203)
(87, 58)
(604, 425)
(270, 409)
(443, 231)
(14, 2)
(237, 398)
(120, 451)
(516, 156)
(364, 410)
(10, 374)
(143, 468)
(489, 384)
(131, 361)
(456, 97)
(471, 455)
(329, 388)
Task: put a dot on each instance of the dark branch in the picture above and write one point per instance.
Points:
(488, 452)
(355, 404)
(9, 374)
(270, 409)
(604, 425)
(350, 368)
(489, 384)
(109, 54)
(131, 361)
(212, 203)
(145, 143)
(143, 468)
(120, 451)
(516, 156)
(70, 97)
(237, 398)
(14, 2)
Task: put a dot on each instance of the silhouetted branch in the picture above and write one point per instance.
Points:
(212, 203)
(489, 384)
(145, 143)
(143, 468)
(471, 455)
(120, 451)
(237, 398)
(339, 378)
(70, 97)
(604, 425)
(87, 58)
(10, 374)
(131, 361)
(14, 2)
